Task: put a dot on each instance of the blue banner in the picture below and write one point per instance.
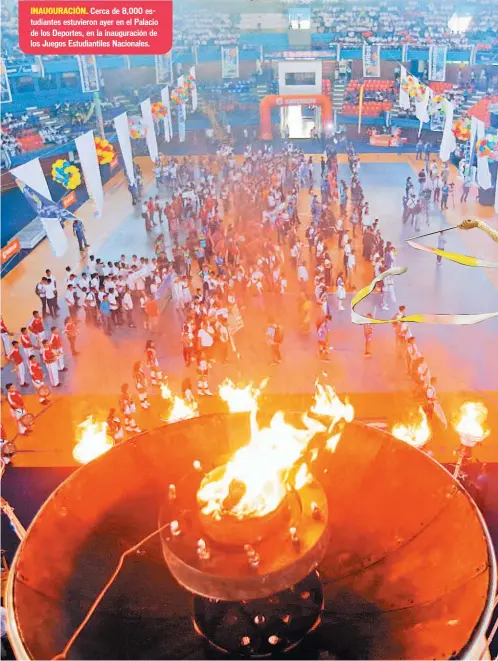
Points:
(164, 69)
(437, 63)
(5, 93)
(88, 73)
(230, 61)
(371, 61)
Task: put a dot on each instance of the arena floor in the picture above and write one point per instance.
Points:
(464, 359)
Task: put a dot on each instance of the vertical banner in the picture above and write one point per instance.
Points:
(360, 107)
(89, 75)
(230, 61)
(182, 106)
(193, 89)
(422, 108)
(448, 141)
(85, 144)
(168, 123)
(40, 65)
(437, 63)
(470, 148)
(404, 97)
(404, 53)
(472, 57)
(51, 214)
(5, 93)
(181, 125)
(483, 173)
(338, 52)
(123, 133)
(164, 69)
(371, 61)
(196, 54)
(150, 136)
(127, 61)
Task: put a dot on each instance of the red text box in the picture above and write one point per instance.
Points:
(98, 27)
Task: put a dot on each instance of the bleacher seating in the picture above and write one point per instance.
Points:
(378, 97)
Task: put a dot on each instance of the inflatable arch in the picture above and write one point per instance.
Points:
(281, 100)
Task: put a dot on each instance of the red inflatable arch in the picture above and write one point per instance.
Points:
(281, 100)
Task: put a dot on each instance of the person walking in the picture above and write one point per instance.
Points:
(303, 276)
(71, 333)
(445, 191)
(465, 189)
(128, 408)
(17, 408)
(79, 233)
(441, 242)
(340, 291)
(105, 315)
(141, 384)
(322, 334)
(58, 349)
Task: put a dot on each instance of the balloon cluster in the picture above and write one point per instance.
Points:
(66, 174)
(461, 128)
(159, 110)
(179, 95)
(137, 128)
(190, 81)
(413, 88)
(105, 151)
(487, 146)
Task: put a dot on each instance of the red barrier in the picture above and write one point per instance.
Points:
(282, 100)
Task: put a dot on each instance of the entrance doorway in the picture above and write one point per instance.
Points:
(300, 121)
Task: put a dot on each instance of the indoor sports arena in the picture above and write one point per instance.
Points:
(250, 337)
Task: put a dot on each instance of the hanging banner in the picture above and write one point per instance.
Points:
(40, 65)
(181, 125)
(164, 69)
(123, 133)
(472, 56)
(88, 73)
(230, 61)
(404, 97)
(52, 216)
(360, 107)
(127, 61)
(89, 161)
(196, 56)
(371, 61)
(437, 112)
(31, 173)
(182, 106)
(168, 123)
(150, 136)
(5, 93)
(448, 141)
(437, 63)
(422, 107)
(483, 173)
(193, 90)
(404, 53)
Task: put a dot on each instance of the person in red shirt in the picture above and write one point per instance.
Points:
(6, 335)
(37, 377)
(141, 384)
(36, 327)
(56, 346)
(50, 360)
(15, 357)
(29, 349)
(17, 408)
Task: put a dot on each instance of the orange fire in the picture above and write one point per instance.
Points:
(93, 442)
(182, 408)
(470, 421)
(329, 405)
(416, 432)
(240, 400)
(261, 470)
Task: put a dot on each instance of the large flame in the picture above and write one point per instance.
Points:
(470, 420)
(182, 410)
(93, 442)
(255, 480)
(328, 404)
(416, 432)
(242, 399)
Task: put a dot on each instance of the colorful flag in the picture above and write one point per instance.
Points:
(360, 107)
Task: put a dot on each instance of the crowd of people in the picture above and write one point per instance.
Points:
(230, 241)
